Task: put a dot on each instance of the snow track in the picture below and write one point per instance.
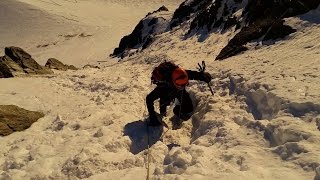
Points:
(262, 123)
(99, 135)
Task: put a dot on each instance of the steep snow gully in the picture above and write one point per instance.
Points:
(244, 126)
(238, 115)
(240, 121)
(243, 131)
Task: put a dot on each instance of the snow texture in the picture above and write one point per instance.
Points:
(261, 123)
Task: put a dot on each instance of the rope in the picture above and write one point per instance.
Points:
(148, 141)
(161, 138)
(180, 105)
(148, 155)
(148, 138)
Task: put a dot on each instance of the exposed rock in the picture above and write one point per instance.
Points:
(25, 60)
(4, 70)
(143, 34)
(162, 8)
(264, 21)
(14, 68)
(185, 10)
(258, 20)
(53, 63)
(72, 67)
(211, 18)
(90, 66)
(13, 118)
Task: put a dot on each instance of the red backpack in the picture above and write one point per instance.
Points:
(162, 73)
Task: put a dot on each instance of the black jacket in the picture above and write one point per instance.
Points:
(167, 92)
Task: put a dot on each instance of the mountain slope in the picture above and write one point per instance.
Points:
(75, 32)
(262, 123)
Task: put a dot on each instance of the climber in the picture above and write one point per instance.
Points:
(171, 81)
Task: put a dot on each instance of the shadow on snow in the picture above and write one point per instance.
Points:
(138, 134)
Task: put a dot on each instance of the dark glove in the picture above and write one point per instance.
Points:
(207, 77)
(153, 120)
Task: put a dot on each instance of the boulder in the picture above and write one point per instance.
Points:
(24, 60)
(14, 68)
(143, 34)
(14, 118)
(53, 63)
(4, 70)
(88, 66)
(72, 67)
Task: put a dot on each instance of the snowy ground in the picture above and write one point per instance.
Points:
(92, 126)
(74, 31)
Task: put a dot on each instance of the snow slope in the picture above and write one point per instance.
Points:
(61, 29)
(260, 124)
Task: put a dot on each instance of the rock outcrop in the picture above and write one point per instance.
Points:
(186, 9)
(53, 63)
(265, 22)
(24, 60)
(258, 20)
(13, 118)
(14, 68)
(4, 70)
(143, 34)
(88, 66)
(255, 20)
(18, 62)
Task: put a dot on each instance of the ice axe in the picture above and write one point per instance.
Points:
(202, 69)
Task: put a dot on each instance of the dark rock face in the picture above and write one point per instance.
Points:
(162, 8)
(143, 34)
(24, 60)
(260, 19)
(218, 14)
(88, 66)
(14, 68)
(265, 21)
(72, 67)
(53, 63)
(257, 19)
(185, 10)
(13, 118)
(4, 70)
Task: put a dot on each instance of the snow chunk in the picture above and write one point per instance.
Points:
(180, 159)
(289, 150)
(57, 124)
(117, 144)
